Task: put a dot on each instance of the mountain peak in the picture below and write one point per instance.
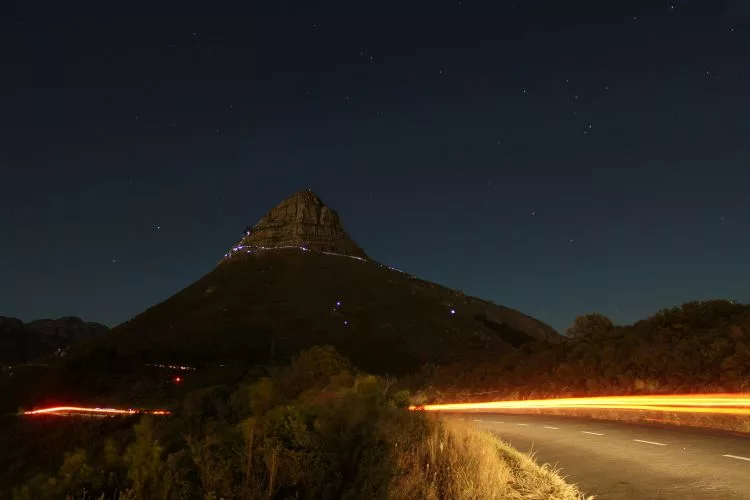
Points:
(301, 220)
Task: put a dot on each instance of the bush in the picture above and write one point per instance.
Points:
(335, 434)
(589, 325)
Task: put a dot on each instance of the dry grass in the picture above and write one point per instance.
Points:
(458, 461)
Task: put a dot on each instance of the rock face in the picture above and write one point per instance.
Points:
(21, 342)
(302, 220)
(66, 331)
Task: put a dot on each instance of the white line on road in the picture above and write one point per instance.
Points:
(592, 433)
(525, 425)
(649, 442)
(477, 420)
(497, 422)
(738, 458)
(550, 427)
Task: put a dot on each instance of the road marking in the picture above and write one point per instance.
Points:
(649, 442)
(497, 422)
(525, 425)
(477, 420)
(550, 427)
(738, 458)
(592, 433)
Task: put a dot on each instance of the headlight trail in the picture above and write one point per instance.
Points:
(82, 410)
(734, 404)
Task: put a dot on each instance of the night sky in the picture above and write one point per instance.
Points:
(558, 157)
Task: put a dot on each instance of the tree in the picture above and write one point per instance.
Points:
(589, 325)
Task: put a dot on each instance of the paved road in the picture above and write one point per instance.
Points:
(614, 460)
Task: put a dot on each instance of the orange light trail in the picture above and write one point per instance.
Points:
(81, 410)
(734, 404)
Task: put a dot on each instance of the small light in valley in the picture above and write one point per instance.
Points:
(346, 323)
(453, 311)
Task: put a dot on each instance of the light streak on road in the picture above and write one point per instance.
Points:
(94, 412)
(728, 404)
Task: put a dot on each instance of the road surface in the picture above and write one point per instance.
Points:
(615, 460)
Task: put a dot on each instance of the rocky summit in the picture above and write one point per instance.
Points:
(301, 221)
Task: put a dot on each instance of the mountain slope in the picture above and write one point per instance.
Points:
(271, 305)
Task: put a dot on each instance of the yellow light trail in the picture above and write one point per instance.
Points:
(735, 404)
(67, 410)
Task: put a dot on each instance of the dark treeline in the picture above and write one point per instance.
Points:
(701, 346)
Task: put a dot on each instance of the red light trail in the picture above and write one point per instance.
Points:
(732, 404)
(82, 410)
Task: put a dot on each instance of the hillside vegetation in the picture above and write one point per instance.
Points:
(315, 429)
(268, 307)
(698, 347)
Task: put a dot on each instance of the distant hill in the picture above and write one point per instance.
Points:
(702, 346)
(296, 279)
(21, 342)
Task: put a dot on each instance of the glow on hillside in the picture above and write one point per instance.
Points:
(734, 404)
(256, 249)
(82, 410)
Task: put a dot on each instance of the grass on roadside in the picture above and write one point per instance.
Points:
(462, 462)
